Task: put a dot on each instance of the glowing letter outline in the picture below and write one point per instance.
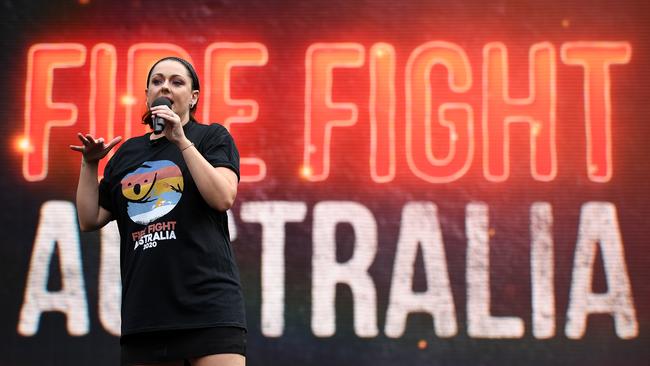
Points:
(309, 147)
(78, 60)
(261, 60)
(457, 86)
(382, 60)
(102, 54)
(534, 125)
(567, 47)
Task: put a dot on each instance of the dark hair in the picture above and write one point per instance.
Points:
(146, 118)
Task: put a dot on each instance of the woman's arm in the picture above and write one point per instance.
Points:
(91, 215)
(218, 186)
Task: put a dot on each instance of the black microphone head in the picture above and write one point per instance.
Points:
(159, 123)
(162, 101)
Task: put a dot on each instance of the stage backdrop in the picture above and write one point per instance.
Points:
(423, 182)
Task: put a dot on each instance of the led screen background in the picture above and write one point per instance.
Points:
(359, 205)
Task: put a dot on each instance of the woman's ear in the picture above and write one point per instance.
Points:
(195, 97)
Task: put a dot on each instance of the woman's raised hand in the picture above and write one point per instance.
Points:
(93, 149)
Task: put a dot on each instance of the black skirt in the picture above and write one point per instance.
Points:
(181, 344)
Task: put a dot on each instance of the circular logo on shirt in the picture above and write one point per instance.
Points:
(152, 190)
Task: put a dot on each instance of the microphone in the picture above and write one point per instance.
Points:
(159, 122)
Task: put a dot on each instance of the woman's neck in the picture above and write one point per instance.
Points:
(185, 119)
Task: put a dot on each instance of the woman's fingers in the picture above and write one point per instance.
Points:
(92, 146)
(83, 139)
(164, 112)
(113, 142)
(160, 108)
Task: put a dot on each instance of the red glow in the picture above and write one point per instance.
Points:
(305, 172)
(220, 59)
(41, 113)
(321, 113)
(439, 142)
(454, 120)
(537, 110)
(127, 100)
(23, 145)
(422, 344)
(101, 106)
(595, 58)
(382, 113)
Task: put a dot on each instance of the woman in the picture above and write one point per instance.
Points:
(181, 299)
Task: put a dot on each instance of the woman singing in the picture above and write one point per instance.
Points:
(182, 302)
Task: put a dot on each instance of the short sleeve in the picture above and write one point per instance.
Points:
(220, 150)
(105, 190)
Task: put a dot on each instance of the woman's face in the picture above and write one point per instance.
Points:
(170, 79)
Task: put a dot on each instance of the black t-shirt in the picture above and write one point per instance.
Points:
(178, 267)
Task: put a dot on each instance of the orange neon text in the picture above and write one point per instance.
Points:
(442, 136)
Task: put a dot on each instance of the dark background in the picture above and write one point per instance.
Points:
(287, 28)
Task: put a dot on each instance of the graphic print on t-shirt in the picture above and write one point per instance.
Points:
(152, 190)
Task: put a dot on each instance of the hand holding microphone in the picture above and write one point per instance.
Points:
(159, 122)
